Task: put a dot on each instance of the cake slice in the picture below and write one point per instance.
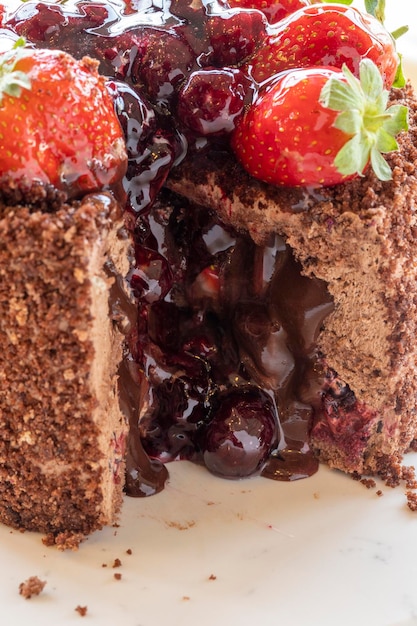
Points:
(62, 449)
(359, 239)
(64, 256)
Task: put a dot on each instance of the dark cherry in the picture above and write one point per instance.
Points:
(211, 100)
(274, 11)
(242, 432)
(151, 279)
(235, 34)
(162, 61)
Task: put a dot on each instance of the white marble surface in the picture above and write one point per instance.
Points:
(322, 551)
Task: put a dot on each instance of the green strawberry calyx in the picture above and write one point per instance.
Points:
(365, 117)
(12, 81)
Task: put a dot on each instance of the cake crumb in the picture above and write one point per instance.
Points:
(118, 576)
(117, 563)
(33, 586)
(64, 541)
(411, 500)
(368, 482)
(212, 577)
(180, 526)
(129, 551)
(82, 610)
(379, 493)
(316, 495)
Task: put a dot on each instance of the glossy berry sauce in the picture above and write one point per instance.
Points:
(222, 367)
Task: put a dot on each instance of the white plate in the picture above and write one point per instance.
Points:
(322, 551)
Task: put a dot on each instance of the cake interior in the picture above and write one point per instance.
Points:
(63, 433)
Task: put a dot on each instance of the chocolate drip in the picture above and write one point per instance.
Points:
(144, 476)
(291, 465)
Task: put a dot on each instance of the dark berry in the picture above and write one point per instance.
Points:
(242, 432)
(163, 60)
(234, 35)
(151, 278)
(211, 100)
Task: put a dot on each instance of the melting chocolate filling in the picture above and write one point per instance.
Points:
(219, 319)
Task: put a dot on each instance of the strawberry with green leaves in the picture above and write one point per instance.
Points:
(57, 122)
(326, 35)
(319, 127)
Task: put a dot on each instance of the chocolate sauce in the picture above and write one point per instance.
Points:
(144, 476)
(256, 324)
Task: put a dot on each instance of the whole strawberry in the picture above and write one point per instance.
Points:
(57, 122)
(319, 127)
(326, 35)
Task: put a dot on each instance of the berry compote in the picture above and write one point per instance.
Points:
(222, 366)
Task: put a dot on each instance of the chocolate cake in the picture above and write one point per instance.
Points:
(63, 433)
(264, 329)
(359, 239)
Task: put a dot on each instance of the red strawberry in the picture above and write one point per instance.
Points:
(274, 11)
(60, 121)
(326, 35)
(318, 126)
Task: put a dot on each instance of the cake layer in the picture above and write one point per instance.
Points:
(359, 238)
(62, 445)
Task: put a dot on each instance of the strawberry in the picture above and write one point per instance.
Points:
(318, 126)
(61, 125)
(326, 35)
(274, 11)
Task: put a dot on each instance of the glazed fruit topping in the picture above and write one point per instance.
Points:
(211, 100)
(62, 129)
(241, 433)
(326, 35)
(327, 126)
(274, 11)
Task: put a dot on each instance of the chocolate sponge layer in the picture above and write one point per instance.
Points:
(61, 429)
